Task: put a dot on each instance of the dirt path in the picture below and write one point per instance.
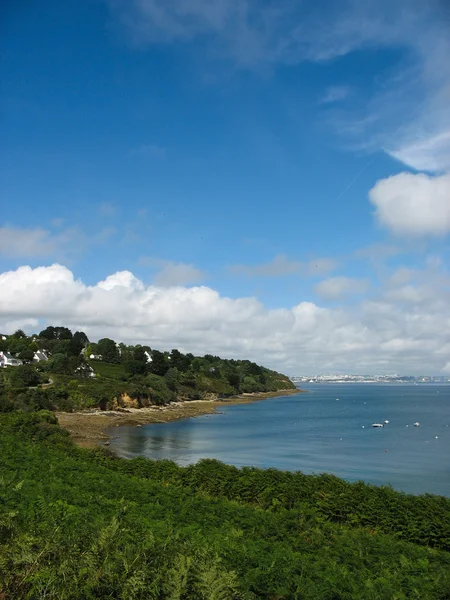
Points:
(87, 429)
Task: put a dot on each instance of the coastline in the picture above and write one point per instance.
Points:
(87, 428)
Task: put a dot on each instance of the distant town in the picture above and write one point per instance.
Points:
(371, 379)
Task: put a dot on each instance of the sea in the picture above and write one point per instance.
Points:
(326, 429)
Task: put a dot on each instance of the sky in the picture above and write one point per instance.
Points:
(248, 178)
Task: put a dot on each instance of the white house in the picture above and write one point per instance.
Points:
(7, 360)
(96, 357)
(85, 370)
(40, 356)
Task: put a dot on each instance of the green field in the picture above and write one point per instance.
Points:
(108, 370)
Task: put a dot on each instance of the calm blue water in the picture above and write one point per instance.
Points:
(315, 432)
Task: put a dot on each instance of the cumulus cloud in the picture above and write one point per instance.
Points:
(395, 330)
(413, 205)
(335, 288)
(172, 273)
(281, 265)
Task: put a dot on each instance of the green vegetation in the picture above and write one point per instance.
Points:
(117, 375)
(78, 524)
(81, 524)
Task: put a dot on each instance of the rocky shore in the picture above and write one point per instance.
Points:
(87, 428)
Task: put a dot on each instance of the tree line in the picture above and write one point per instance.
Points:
(80, 373)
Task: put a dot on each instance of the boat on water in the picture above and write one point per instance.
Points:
(417, 424)
(377, 424)
(386, 422)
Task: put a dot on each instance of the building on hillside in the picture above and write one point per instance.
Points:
(3, 337)
(148, 356)
(8, 360)
(40, 356)
(85, 370)
(96, 357)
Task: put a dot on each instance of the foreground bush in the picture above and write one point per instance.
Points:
(75, 525)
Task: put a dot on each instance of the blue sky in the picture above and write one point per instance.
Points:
(272, 154)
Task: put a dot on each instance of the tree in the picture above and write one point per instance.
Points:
(17, 344)
(59, 364)
(196, 365)
(179, 360)
(234, 379)
(172, 377)
(139, 354)
(81, 338)
(26, 355)
(92, 349)
(136, 367)
(109, 351)
(56, 333)
(25, 376)
(74, 347)
(159, 365)
(61, 347)
(20, 334)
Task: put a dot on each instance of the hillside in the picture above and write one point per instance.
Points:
(65, 371)
(78, 524)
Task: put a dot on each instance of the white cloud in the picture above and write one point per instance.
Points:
(429, 154)
(178, 274)
(281, 265)
(172, 273)
(394, 331)
(411, 100)
(335, 288)
(25, 243)
(335, 93)
(413, 205)
(20, 242)
(108, 209)
(38, 243)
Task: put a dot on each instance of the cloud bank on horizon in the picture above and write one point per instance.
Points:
(403, 325)
(264, 180)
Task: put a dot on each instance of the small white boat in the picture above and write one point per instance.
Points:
(417, 424)
(387, 422)
(377, 424)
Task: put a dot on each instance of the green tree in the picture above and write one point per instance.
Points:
(135, 367)
(172, 377)
(17, 344)
(159, 365)
(20, 334)
(139, 354)
(25, 376)
(56, 333)
(81, 338)
(179, 360)
(109, 351)
(59, 363)
(48, 333)
(26, 355)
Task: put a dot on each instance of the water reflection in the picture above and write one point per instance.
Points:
(314, 433)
